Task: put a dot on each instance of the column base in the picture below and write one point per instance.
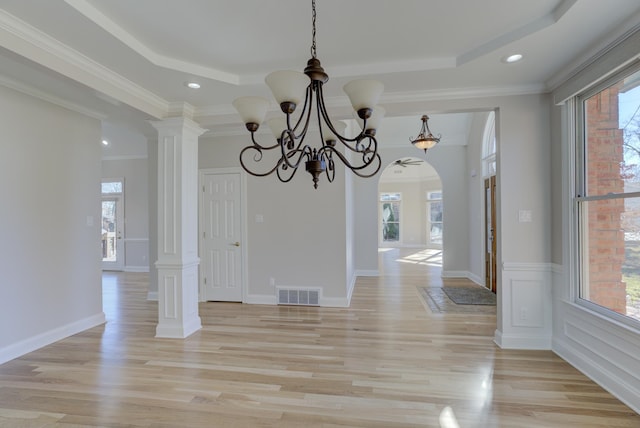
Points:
(173, 331)
(177, 299)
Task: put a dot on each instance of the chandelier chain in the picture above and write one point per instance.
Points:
(313, 31)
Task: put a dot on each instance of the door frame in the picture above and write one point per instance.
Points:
(243, 225)
(120, 263)
(491, 259)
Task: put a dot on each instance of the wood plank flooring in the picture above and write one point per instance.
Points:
(386, 361)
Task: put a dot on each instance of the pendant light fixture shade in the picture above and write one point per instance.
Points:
(425, 139)
(363, 93)
(288, 86)
(252, 110)
(292, 148)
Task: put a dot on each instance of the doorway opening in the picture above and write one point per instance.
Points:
(112, 224)
(410, 217)
(489, 168)
(410, 211)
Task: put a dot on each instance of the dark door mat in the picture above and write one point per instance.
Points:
(470, 295)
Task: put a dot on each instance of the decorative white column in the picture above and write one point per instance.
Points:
(178, 260)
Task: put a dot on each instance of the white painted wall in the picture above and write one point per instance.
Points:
(50, 249)
(523, 183)
(523, 134)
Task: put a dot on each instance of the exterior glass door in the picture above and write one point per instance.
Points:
(112, 243)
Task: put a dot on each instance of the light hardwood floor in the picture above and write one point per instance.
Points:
(386, 361)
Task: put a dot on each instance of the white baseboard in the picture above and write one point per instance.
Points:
(31, 344)
(367, 272)
(462, 274)
(522, 341)
(260, 299)
(352, 286)
(476, 279)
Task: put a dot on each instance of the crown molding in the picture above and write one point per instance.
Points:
(621, 33)
(463, 93)
(36, 93)
(107, 24)
(31, 43)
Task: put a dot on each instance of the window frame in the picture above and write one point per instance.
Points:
(580, 198)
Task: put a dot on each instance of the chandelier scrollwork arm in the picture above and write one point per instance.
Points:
(288, 88)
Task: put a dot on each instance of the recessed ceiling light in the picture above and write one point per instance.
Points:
(512, 58)
(105, 143)
(193, 85)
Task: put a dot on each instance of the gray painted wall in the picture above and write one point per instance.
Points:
(50, 248)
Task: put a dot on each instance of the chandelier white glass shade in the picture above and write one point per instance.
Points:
(293, 88)
(425, 139)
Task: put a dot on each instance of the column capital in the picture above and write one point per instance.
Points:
(178, 126)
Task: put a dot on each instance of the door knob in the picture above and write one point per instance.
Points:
(237, 244)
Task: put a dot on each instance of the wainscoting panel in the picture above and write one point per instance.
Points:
(524, 306)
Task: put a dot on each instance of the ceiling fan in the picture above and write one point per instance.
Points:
(405, 162)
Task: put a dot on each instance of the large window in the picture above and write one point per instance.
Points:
(607, 203)
(390, 214)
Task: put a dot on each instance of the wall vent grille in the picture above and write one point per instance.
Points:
(294, 296)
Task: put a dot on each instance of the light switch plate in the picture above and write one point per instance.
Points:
(524, 216)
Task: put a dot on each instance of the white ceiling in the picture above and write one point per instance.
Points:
(126, 61)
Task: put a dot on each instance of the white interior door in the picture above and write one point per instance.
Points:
(112, 233)
(221, 237)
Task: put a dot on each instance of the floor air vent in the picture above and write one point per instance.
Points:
(305, 297)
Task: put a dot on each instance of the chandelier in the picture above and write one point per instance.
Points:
(291, 148)
(425, 139)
